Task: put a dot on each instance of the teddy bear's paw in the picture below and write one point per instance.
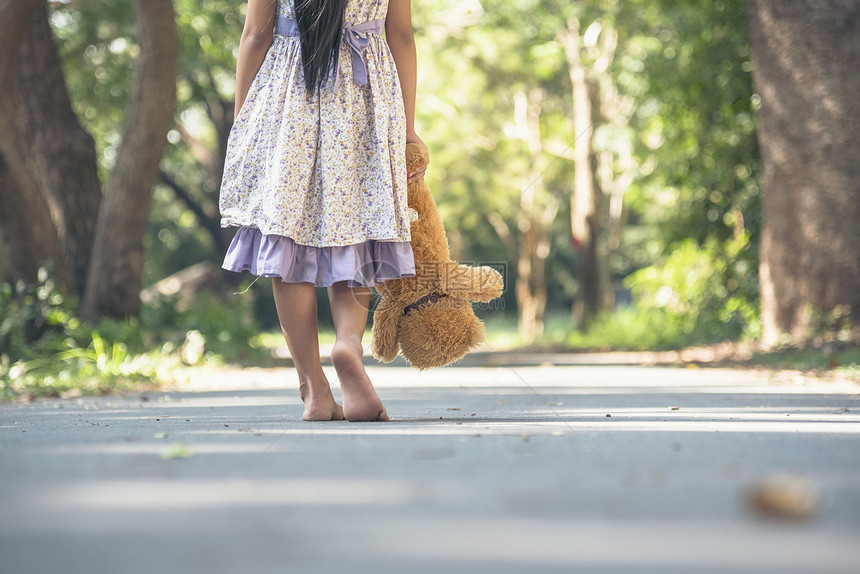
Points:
(481, 284)
(491, 284)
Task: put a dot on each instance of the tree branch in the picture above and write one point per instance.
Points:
(198, 150)
(504, 232)
(212, 225)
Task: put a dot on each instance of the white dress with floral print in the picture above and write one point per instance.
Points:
(320, 170)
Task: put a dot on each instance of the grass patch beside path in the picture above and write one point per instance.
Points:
(623, 334)
(95, 377)
(822, 363)
(844, 362)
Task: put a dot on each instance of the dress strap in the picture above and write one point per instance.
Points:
(356, 37)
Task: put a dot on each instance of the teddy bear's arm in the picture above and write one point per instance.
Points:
(385, 344)
(474, 283)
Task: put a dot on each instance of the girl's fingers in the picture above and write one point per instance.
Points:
(416, 175)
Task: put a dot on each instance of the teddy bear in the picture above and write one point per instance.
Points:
(428, 318)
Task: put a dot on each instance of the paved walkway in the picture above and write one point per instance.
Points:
(502, 469)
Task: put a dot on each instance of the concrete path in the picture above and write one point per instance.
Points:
(505, 469)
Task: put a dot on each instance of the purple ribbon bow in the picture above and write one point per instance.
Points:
(355, 36)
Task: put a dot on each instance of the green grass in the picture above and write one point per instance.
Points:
(841, 360)
(626, 330)
(623, 330)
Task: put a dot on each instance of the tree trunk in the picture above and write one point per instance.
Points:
(536, 215)
(584, 214)
(13, 17)
(61, 156)
(807, 55)
(5, 270)
(114, 281)
(29, 234)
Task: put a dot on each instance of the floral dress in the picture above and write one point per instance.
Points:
(316, 182)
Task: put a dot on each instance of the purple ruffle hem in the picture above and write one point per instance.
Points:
(360, 265)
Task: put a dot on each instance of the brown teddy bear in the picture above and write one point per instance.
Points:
(428, 317)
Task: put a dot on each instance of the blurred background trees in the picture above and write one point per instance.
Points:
(605, 152)
(646, 156)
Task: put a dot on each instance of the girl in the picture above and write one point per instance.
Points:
(315, 175)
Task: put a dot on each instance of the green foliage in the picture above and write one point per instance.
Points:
(698, 193)
(704, 293)
(626, 328)
(629, 329)
(209, 326)
(27, 312)
(45, 350)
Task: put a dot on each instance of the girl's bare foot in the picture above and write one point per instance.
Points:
(360, 401)
(319, 406)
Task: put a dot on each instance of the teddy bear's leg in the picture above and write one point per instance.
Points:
(385, 344)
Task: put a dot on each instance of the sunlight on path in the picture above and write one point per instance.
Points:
(482, 469)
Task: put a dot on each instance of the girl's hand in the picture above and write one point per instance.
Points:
(419, 173)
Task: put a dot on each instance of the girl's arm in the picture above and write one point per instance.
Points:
(253, 47)
(398, 34)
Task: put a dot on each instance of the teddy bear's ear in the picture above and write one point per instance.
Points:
(474, 283)
(385, 345)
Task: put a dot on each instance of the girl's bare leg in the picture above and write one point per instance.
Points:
(297, 312)
(349, 313)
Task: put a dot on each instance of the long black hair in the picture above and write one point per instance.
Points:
(320, 23)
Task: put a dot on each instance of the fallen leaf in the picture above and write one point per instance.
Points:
(784, 496)
(176, 450)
